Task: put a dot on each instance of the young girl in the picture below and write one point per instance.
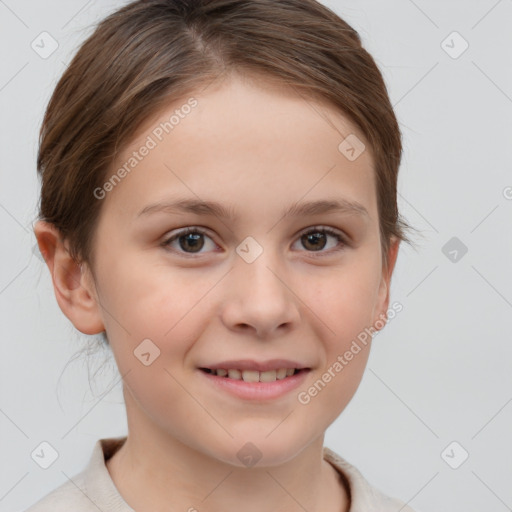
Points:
(219, 199)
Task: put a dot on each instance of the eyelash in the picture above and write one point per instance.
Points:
(324, 230)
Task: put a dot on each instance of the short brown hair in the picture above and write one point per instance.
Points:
(148, 52)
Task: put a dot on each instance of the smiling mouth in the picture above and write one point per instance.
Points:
(254, 375)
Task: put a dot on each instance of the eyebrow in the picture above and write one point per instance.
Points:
(199, 207)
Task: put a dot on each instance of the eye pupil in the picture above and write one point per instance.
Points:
(194, 238)
(315, 237)
(192, 241)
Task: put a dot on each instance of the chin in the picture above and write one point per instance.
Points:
(253, 449)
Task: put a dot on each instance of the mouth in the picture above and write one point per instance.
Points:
(255, 379)
(254, 375)
(253, 385)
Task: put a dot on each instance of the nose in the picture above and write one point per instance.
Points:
(259, 298)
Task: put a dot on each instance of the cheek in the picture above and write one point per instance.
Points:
(152, 299)
(344, 300)
(341, 382)
(163, 305)
(160, 315)
(344, 304)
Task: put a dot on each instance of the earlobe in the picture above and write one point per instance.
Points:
(75, 293)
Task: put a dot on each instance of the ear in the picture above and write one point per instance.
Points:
(382, 305)
(73, 285)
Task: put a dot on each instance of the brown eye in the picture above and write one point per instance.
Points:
(190, 241)
(316, 239)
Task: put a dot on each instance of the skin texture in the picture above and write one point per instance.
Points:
(258, 148)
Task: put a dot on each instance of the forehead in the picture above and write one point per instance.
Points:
(255, 143)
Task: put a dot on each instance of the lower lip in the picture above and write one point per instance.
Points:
(257, 390)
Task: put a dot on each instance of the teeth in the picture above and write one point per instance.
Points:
(281, 373)
(250, 376)
(234, 374)
(254, 375)
(270, 376)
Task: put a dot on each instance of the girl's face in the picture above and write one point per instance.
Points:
(261, 285)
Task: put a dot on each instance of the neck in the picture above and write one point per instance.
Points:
(153, 470)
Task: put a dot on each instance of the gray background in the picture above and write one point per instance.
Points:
(439, 372)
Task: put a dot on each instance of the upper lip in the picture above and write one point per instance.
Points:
(250, 364)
